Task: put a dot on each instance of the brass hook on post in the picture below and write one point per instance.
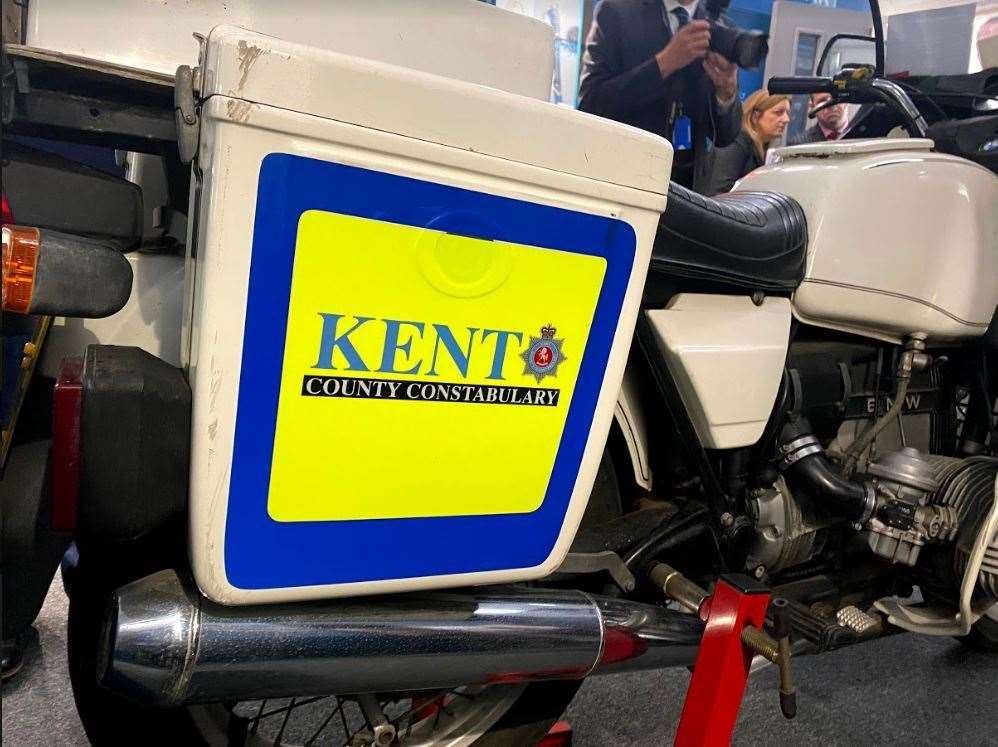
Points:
(775, 648)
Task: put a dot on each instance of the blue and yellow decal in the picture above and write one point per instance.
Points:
(421, 365)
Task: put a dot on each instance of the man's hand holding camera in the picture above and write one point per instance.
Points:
(724, 75)
(691, 43)
(688, 44)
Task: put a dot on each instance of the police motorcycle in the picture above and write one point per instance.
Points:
(459, 420)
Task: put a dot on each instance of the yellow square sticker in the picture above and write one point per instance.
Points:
(424, 373)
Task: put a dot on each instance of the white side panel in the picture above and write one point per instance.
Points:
(219, 300)
(462, 39)
(631, 419)
(150, 320)
(900, 241)
(727, 356)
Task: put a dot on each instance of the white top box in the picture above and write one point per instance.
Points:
(263, 70)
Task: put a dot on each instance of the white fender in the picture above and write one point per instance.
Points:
(149, 320)
(629, 416)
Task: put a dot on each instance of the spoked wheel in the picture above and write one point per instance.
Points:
(462, 716)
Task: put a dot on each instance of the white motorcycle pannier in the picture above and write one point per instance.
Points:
(411, 301)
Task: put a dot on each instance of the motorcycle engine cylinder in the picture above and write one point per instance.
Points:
(968, 487)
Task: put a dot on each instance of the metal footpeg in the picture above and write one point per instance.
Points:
(825, 634)
(855, 619)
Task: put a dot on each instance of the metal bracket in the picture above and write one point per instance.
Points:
(185, 112)
(382, 732)
(609, 561)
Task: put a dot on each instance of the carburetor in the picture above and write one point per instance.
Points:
(904, 520)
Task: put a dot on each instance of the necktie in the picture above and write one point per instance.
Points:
(682, 16)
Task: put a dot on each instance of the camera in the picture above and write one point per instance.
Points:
(747, 49)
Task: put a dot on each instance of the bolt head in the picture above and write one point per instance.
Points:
(384, 735)
(760, 571)
(727, 519)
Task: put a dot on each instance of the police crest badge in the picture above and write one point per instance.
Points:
(544, 354)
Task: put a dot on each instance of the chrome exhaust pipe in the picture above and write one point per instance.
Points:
(165, 644)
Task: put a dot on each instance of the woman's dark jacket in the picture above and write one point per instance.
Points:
(731, 163)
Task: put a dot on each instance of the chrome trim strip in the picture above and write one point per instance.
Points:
(901, 296)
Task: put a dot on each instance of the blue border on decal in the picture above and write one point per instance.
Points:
(262, 553)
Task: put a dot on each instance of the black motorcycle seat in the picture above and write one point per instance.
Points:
(737, 242)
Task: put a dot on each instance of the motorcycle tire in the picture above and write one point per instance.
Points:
(110, 719)
(107, 718)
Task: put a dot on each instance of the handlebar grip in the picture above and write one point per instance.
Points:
(800, 85)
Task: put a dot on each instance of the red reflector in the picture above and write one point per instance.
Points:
(66, 407)
(6, 216)
(559, 736)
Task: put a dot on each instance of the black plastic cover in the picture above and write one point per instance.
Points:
(135, 443)
(46, 190)
(975, 139)
(78, 277)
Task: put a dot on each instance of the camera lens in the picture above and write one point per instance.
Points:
(747, 49)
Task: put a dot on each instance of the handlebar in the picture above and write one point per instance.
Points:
(802, 85)
(893, 95)
(857, 86)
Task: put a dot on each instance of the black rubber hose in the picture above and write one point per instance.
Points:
(673, 533)
(878, 35)
(815, 475)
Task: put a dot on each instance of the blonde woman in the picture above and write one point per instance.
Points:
(764, 118)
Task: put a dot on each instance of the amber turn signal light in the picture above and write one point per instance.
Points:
(50, 273)
(20, 258)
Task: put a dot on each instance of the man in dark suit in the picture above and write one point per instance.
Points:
(832, 121)
(648, 64)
